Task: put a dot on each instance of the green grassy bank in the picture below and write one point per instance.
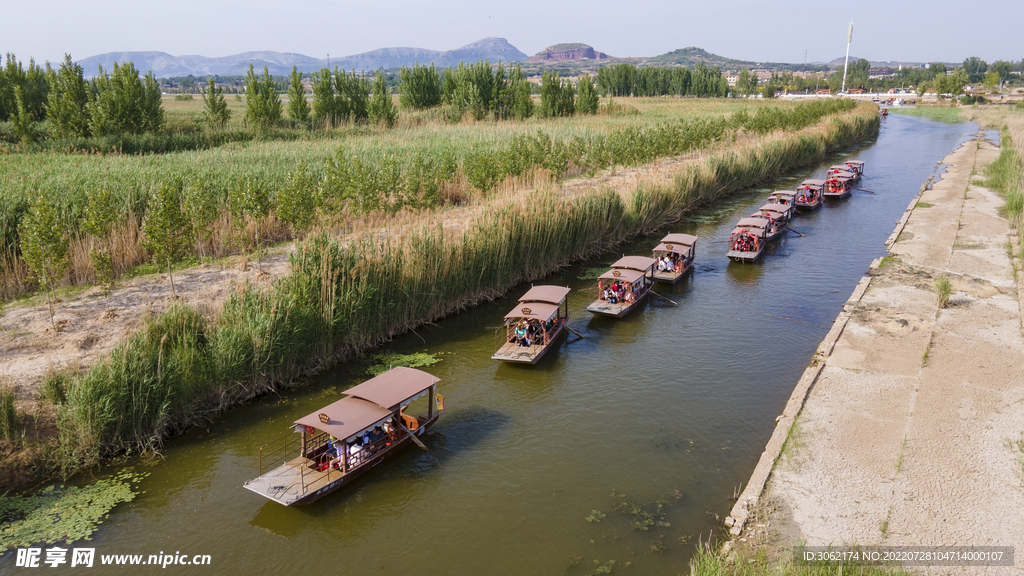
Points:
(343, 297)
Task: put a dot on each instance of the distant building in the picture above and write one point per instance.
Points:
(880, 74)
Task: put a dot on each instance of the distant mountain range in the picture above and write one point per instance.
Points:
(165, 65)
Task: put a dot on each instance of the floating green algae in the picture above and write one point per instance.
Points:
(62, 513)
(385, 362)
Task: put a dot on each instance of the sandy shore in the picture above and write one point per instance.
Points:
(912, 433)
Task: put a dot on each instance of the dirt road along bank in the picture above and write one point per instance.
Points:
(911, 430)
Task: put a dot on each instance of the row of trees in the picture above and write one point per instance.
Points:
(628, 80)
(119, 102)
(479, 88)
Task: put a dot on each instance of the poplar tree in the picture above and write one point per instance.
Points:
(216, 113)
(298, 108)
(324, 108)
(165, 228)
(124, 104)
(586, 101)
(420, 87)
(67, 104)
(262, 106)
(44, 246)
(382, 109)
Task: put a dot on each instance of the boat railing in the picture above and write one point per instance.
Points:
(279, 451)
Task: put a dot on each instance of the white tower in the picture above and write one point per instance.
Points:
(846, 65)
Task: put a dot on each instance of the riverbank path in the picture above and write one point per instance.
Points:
(913, 431)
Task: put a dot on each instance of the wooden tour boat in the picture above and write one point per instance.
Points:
(784, 197)
(775, 220)
(843, 169)
(808, 194)
(856, 166)
(838, 186)
(748, 239)
(680, 250)
(534, 325)
(622, 288)
(336, 444)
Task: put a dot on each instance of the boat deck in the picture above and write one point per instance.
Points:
(740, 256)
(513, 352)
(284, 484)
(618, 310)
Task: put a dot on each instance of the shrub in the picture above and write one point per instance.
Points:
(10, 427)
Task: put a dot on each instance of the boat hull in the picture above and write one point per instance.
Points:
(807, 207)
(746, 257)
(839, 196)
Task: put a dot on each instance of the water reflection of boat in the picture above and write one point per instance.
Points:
(336, 444)
(532, 327)
(680, 250)
(622, 288)
(808, 194)
(747, 240)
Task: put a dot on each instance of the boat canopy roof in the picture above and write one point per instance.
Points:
(684, 239)
(843, 167)
(346, 417)
(780, 208)
(782, 194)
(750, 223)
(399, 385)
(748, 230)
(812, 182)
(624, 274)
(640, 263)
(855, 163)
(551, 294)
(533, 310)
(674, 248)
(841, 176)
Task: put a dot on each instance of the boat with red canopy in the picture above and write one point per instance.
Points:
(674, 257)
(334, 445)
(808, 194)
(747, 240)
(533, 326)
(622, 288)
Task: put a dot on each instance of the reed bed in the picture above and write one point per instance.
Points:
(345, 296)
(420, 166)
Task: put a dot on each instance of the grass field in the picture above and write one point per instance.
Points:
(353, 170)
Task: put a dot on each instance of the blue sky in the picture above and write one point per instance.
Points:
(744, 29)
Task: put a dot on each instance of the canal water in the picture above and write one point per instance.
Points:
(621, 449)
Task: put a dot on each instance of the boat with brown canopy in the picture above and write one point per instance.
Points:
(622, 288)
(533, 326)
(336, 444)
(776, 217)
(747, 240)
(838, 185)
(808, 194)
(674, 257)
(784, 197)
(856, 166)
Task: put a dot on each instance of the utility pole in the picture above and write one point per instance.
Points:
(846, 65)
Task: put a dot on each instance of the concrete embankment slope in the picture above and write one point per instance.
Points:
(912, 417)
